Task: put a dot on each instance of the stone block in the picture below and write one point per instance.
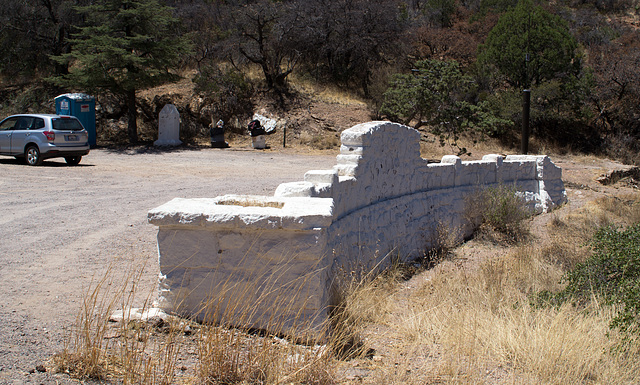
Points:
(321, 176)
(295, 189)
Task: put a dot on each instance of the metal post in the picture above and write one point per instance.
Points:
(284, 136)
(526, 107)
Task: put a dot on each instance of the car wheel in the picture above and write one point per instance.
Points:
(32, 155)
(72, 160)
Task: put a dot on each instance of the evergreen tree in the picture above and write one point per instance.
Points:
(529, 29)
(437, 94)
(126, 45)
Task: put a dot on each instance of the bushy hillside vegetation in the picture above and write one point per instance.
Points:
(579, 57)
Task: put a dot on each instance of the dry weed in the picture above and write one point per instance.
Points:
(324, 92)
(461, 326)
(485, 319)
(230, 350)
(499, 214)
(136, 351)
(569, 235)
(248, 202)
(481, 325)
(228, 355)
(96, 349)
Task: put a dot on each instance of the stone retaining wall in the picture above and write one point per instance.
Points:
(271, 262)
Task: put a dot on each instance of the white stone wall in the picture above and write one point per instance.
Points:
(275, 258)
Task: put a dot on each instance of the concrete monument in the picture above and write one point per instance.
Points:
(168, 127)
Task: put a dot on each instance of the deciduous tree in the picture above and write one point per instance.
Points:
(348, 39)
(268, 35)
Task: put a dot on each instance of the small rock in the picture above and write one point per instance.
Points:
(156, 321)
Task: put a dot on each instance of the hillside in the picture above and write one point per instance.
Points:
(288, 59)
(313, 116)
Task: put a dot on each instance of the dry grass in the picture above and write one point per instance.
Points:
(148, 351)
(321, 142)
(454, 323)
(467, 324)
(228, 356)
(99, 349)
(430, 148)
(480, 327)
(327, 93)
(568, 236)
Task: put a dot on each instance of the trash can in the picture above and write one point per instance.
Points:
(81, 106)
(258, 132)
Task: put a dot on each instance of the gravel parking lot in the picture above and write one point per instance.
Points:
(61, 227)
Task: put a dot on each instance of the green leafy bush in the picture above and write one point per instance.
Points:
(613, 274)
(437, 94)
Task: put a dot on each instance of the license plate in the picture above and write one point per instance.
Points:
(71, 138)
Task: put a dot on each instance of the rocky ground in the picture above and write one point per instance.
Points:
(63, 227)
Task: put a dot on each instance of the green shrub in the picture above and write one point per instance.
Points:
(611, 273)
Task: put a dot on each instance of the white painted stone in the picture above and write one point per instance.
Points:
(137, 314)
(259, 142)
(267, 123)
(321, 176)
(295, 189)
(282, 256)
(168, 127)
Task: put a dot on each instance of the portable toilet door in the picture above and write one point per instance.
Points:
(81, 106)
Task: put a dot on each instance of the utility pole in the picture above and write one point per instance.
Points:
(526, 108)
(526, 98)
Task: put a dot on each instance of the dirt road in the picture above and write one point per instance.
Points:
(61, 227)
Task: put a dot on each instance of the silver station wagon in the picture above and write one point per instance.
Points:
(36, 137)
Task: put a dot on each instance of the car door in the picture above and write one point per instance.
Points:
(21, 134)
(6, 130)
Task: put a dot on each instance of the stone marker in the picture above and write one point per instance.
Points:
(168, 127)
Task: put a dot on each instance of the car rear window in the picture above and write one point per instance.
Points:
(66, 124)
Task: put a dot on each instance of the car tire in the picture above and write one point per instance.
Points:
(32, 156)
(73, 160)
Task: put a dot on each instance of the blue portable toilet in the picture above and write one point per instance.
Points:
(81, 106)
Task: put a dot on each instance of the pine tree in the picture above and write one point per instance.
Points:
(126, 45)
(530, 29)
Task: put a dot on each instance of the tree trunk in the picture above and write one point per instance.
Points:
(132, 117)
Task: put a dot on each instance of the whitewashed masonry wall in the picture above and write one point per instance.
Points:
(271, 262)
